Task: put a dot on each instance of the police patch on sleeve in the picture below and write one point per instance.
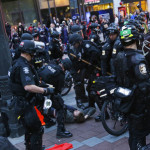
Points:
(142, 68)
(26, 70)
(103, 52)
(114, 51)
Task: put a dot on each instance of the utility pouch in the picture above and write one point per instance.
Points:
(20, 105)
(124, 99)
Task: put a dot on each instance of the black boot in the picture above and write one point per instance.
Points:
(62, 132)
(79, 104)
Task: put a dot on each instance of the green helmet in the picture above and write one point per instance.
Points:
(128, 35)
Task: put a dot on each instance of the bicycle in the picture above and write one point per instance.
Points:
(67, 84)
(113, 121)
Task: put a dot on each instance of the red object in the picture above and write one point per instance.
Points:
(97, 74)
(98, 92)
(30, 29)
(122, 10)
(121, 3)
(40, 116)
(88, 30)
(64, 146)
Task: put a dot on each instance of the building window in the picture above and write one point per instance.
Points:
(16, 11)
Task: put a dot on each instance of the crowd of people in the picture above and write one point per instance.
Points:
(37, 62)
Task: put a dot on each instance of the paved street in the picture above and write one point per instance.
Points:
(86, 136)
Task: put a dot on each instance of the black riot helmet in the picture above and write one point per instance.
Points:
(55, 34)
(27, 46)
(129, 35)
(75, 29)
(113, 29)
(142, 14)
(26, 36)
(75, 38)
(36, 34)
(94, 25)
(66, 63)
(94, 38)
(136, 24)
(146, 47)
(140, 19)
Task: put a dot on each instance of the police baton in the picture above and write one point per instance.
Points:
(98, 68)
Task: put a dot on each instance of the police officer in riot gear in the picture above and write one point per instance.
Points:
(140, 29)
(146, 52)
(75, 29)
(146, 47)
(24, 84)
(110, 50)
(94, 37)
(131, 73)
(55, 49)
(82, 50)
(44, 53)
(53, 74)
(15, 41)
(16, 53)
(42, 36)
(26, 36)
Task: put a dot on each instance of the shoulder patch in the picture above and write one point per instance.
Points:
(114, 51)
(142, 69)
(103, 52)
(26, 70)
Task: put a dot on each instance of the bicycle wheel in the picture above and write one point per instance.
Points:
(114, 122)
(67, 85)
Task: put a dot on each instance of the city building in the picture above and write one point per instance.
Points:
(57, 8)
(131, 5)
(24, 11)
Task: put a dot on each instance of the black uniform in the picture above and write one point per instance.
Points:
(132, 72)
(22, 74)
(43, 37)
(15, 41)
(108, 55)
(54, 75)
(94, 37)
(80, 70)
(55, 50)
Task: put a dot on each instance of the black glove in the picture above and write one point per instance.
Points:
(48, 91)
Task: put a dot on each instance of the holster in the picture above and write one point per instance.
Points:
(20, 104)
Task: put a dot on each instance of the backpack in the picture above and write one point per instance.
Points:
(124, 94)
